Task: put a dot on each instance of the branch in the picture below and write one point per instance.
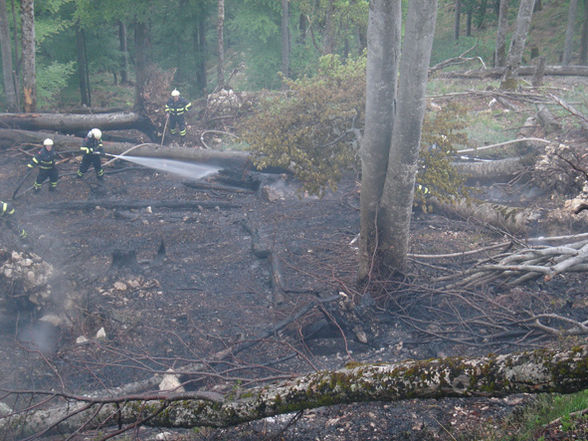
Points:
(494, 375)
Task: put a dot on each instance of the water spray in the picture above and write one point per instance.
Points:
(188, 170)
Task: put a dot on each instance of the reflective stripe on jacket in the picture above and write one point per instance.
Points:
(45, 159)
(178, 107)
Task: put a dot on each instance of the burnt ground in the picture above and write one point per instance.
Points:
(207, 291)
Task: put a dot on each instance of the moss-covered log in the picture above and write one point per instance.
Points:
(536, 371)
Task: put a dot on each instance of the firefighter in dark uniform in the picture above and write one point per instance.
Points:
(176, 107)
(7, 216)
(45, 159)
(93, 149)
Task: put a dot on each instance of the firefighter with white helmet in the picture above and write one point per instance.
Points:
(176, 107)
(93, 149)
(45, 160)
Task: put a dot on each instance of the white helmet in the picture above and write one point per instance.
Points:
(175, 92)
(95, 133)
(48, 142)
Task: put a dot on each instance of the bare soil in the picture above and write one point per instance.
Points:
(207, 291)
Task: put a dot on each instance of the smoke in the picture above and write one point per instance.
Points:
(41, 336)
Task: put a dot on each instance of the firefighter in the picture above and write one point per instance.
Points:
(7, 216)
(176, 107)
(45, 159)
(93, 149)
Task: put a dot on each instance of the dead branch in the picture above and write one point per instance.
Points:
(503, 144)
(538, 371)
(526, 264)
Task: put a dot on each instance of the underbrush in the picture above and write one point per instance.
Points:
(550, 417)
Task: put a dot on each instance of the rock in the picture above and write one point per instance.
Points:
(101, 334)
(54, 319)
(171, 382)
(120, 286)
(81, 340)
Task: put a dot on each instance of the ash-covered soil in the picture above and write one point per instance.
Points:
(194, 287)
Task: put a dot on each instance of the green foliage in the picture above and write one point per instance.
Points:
(51, 80)
(529, 422)
(308, 129)
(442, 131)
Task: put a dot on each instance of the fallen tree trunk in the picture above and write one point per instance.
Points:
(522, 71)
(537, 371)
(112, 204)
(512, 219)
(490, 170)
(226, 159)
(72, 123)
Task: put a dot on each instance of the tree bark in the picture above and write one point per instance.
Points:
(27, 8)
(382, 65)
(500, 52)
(199, 37)
(457, 23)
(576, 71)
(584, 41)
(539, 371)
(140, 66)
(6, 53)
(220, 44)
(72, 123)
(83, 71)
(569, 41)
(122, 37)
(517, 44)
(397, 197)
(285, 33)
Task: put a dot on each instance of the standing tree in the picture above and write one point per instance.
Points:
(285, 31)
(517, 44)
(457, 19)
(83, 69)
(122, 36)
(27, 8)
(390, 146)
(584, 41)
(500, 51)
(569, 42)
(6, 51)
(220, 25)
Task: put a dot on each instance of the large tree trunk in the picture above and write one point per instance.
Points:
(122, 37)
(517, 44)
(27, 8)
(6, 52)
(73, 123)
(140, 66)
(569, 42)
(457, 24)
(500, 52)
(220, 44)
(199, 37)
(584, 41)
(539, 371)
(83, 71)
(575, 71)
(397, 198)
(285, 32)
(382, 65)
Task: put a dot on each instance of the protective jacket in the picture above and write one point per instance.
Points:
(92, 149)
(179, 107)
(44, 158)
(92, 146)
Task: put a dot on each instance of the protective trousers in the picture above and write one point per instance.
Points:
(93, 160)
(45, 173)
